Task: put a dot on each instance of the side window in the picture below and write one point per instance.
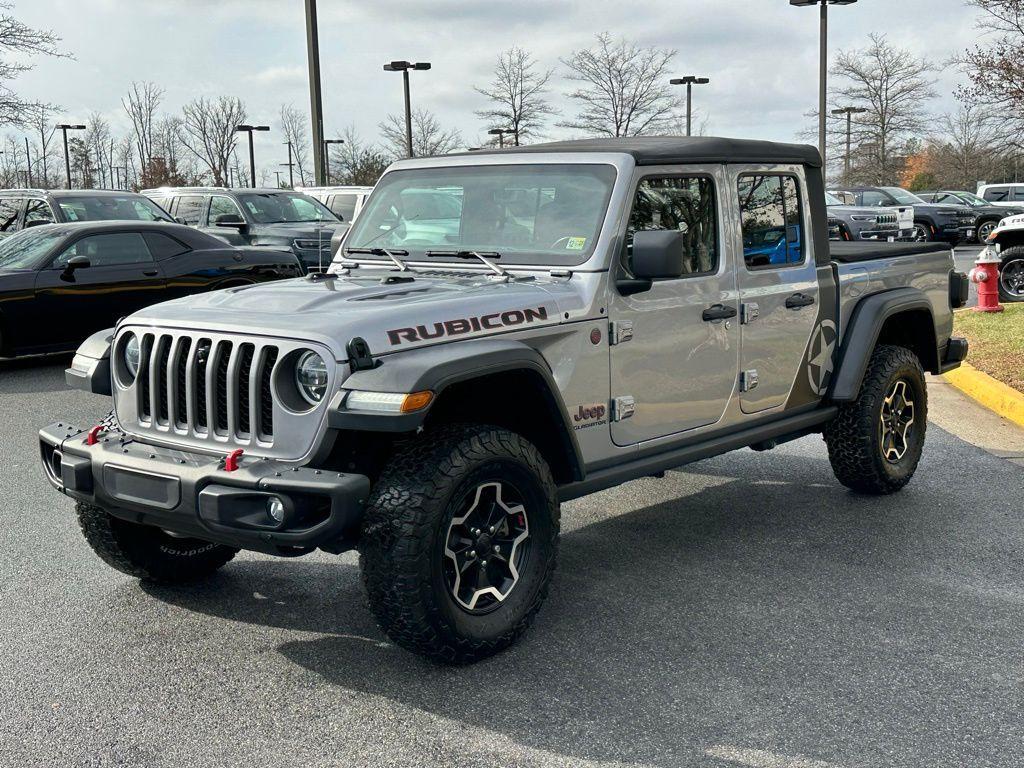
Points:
(1018, 193)
(164, 246)
(685, 205)
(997, 194)
(38, 212)
(772, 221)
(108, 250)
(343, 206)
(873, 198)
(190, 209)
(9, 209)
(223, 206)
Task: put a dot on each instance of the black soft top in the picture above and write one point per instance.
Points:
(670, 150)
(853, 252)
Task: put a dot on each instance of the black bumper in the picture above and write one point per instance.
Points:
(193, 495)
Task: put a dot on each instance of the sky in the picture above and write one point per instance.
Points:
(761, 55)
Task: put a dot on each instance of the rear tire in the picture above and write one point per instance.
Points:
(875, 443)
(459, 542)
(149, 553)
(1011, 275)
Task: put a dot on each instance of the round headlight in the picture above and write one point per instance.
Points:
(132, 355)
(311, 377)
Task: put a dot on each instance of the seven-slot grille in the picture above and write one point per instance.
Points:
(207, 387)
(886, 218)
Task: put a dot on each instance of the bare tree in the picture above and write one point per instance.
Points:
(517, 94)
(966, 148)
(97, 137)
(293, 125)
(142, 105)
(41, 118)
(894, 87)
(428, 137)
(356, 162)
(624, 89)
(23, 41)
(208, 132)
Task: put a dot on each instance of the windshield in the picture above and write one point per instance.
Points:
(111, 208)
(971, 199)
(831, 199)
(529, 214)
(24, 249)
(902, 196)
(284, 208)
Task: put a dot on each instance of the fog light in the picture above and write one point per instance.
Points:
(275, 508)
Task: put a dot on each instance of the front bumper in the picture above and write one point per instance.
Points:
(191, 494)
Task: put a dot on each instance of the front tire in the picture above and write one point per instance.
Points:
(1011, 275)
(922, 232)
(459, 542)
(875, 443)
(149, 553)
(985, 229)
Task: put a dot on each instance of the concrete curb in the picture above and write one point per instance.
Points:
(994, 395)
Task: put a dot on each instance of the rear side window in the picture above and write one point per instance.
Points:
(997, 194)
(38, 212)
(164, 246)
(684, 205)
(10, 207)
(343, 206)
(108, 250)
(190, 209)
(772, 220)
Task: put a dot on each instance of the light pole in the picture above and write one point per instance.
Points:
(500, 133)
(823, 64)
(64, 128)
(327, 155)
(28, 164)
(849, 112)
(252, 158)
(291, 165)
(404, 67)
(278, 174)
(689, 81)
(316, 103)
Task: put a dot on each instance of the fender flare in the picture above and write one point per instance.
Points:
(866, 322)
(438, 367)
(90, 368)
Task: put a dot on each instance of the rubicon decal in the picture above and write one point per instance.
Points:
(464, 325)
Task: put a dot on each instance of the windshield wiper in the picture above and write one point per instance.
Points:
(391, 254)
(486, 259)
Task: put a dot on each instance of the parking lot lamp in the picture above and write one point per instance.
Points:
(849, 112)
(404, 67)
(689, 81)
(64, 128)
(316, 105)
(500, 133)
(327, 156)
(823, 64)
(252, 158)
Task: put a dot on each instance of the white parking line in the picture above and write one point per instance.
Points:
(759, 758)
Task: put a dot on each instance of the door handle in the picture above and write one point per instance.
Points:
(150, 272)
(718, 312)
(798, 300)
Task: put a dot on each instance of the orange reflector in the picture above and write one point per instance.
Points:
(417, 401)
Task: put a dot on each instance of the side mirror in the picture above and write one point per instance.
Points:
(180, 220)
(75, 262)
(657, 254)
(229, 220)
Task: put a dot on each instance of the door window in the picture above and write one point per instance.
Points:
(997, 194)
(190, 209)
(10, 207)
(773, 229)
(684, 205)
(38, 212)
(108, 250)
(343, 206)
(223, 206)
(874, 198)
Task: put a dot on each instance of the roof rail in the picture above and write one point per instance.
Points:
(24, 190)
(186, 189)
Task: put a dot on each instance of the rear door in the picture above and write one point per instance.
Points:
(676, 368)
(777, 284)
(121, 278)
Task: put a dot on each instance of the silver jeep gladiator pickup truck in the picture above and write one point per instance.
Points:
(561, 319)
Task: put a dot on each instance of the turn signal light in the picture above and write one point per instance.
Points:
(388, 402)
(417, 401)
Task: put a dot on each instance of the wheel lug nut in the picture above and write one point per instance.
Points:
(483, 563)
(491, 529)
(497, 548)
(472, 553)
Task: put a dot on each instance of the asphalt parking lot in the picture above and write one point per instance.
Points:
(748, 611)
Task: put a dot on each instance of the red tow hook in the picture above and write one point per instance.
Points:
(231, 460)
(93, 437)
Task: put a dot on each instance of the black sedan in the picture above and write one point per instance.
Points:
(59, 283)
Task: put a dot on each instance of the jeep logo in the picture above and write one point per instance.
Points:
(467, 325)
(587, 412)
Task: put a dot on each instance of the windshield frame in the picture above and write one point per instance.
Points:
(621, 165)
(896, 192)
(240, 196)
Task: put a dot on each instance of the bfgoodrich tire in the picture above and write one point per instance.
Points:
(149, 553)
(875, 443)
(459, 542)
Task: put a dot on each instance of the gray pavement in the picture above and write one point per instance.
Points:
(748, 611)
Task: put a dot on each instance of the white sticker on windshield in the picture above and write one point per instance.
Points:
(575, 243)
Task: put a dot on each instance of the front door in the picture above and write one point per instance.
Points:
(121, 278)
(778, 286)
(221, 205)
(676, 366)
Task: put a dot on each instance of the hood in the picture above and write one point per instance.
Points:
(855, 210)
(943, 209)
(389, 311)
(303, 229)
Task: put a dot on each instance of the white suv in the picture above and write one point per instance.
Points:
(344, 202)
(1008, 195)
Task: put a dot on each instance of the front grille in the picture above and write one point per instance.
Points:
(886, 218)
(199, 385)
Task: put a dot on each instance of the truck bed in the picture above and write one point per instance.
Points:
(853, 252)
